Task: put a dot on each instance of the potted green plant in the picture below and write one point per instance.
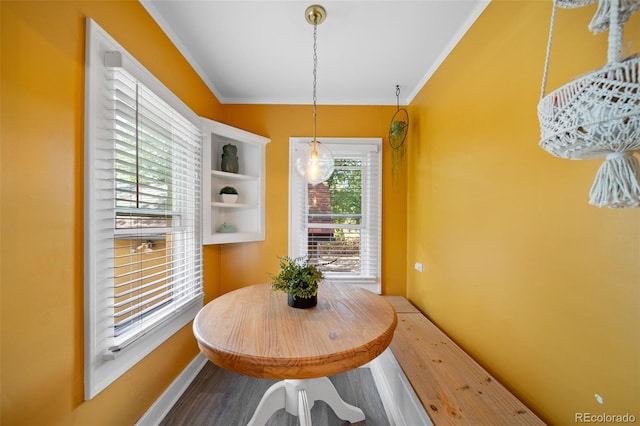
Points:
(397, 129)
(229, 194)
(299, 279)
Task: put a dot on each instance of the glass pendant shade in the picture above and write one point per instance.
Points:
(314, 162)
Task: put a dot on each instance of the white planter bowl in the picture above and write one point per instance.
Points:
(229, 198)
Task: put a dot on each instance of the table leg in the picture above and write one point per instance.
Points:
(304, 410)
(297, 397)
(272, 400)
(322, 389)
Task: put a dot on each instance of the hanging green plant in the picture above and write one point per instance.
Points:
(397, 134)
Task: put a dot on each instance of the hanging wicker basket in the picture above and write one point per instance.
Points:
(594, 115)
(602, 19)
(598, 116)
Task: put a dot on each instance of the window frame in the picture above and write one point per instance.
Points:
(298, 193)
(104, 366)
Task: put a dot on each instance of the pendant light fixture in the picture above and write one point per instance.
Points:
(314, 162)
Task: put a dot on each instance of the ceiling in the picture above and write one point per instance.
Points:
(261, 52)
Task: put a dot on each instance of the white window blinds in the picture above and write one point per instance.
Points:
(337, 223)
(156, 240)
(143, 261)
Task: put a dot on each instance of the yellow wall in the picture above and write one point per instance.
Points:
(280, 122)
(42, 174)
(540, 287)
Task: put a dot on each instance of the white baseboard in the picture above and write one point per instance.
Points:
(169, 397)
(398, 398)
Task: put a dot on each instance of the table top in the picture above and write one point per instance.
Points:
(253, 331)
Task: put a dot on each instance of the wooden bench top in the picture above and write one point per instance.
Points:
(453, 388)
(402, 305)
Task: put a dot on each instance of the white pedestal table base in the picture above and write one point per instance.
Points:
(297, 398)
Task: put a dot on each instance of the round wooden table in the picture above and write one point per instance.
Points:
(252, 331)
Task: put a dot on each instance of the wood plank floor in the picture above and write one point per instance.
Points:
(218, 397)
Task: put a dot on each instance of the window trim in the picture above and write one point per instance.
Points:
(101, 367)
(343, 144)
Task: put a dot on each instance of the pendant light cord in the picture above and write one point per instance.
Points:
(315, 71)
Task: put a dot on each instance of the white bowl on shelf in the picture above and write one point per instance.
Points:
(229, 198)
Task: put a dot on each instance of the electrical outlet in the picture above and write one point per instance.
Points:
(418, 266)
